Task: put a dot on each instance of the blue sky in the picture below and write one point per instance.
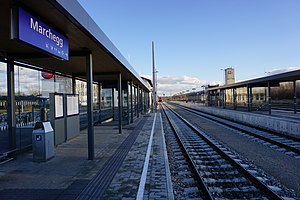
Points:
(194, 39)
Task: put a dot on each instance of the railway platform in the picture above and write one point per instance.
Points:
(286, 122)
(131, 165)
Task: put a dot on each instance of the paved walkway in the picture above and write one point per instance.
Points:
(155, 181)
(69, 173)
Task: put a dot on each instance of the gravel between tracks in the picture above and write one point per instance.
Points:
(184, 185)
(284, 168)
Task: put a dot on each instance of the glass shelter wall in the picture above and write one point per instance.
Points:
(259, 98)
(4, 144)
(241, 98)
(63, 84)
(32, 89)
(282, 96)
(81, 89)
(228, 98)
(106, 104)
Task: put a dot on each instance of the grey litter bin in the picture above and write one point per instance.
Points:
(42, 142)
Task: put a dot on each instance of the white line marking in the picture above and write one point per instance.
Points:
(141, 189)
(168, 173)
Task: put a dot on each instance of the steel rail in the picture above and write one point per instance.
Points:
(297, 139)
(260, 185)
(203, 186)
(288, 147)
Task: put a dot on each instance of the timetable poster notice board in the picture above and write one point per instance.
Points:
(59, 106)
(72, 105)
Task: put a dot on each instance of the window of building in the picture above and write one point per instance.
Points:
(3, 108)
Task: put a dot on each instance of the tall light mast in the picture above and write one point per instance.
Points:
(154, 81)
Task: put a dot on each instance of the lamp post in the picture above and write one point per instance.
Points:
(223, 76)
(154, 81)
(156, 72)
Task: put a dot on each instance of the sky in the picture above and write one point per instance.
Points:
(195, 39)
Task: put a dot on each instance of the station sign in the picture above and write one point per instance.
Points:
(37, 33)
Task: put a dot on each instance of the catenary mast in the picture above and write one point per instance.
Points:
(154, 107)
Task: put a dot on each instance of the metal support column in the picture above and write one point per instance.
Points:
(208, 99)
(138, 101)
(73, 85)
(89, 85)
(131, 101)
(11, 105)
(248, 98)
(120, 101)
(143, 101)
(113, 101)
(251, 97)
(128, 117)
(148, 102)
(295, 96)
(224, 98)
(220, 99)
(234, 98)
(135, 101)
(269, 97)
(99, 100)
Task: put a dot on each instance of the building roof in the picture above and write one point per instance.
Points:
(263, 81)
(148, 80)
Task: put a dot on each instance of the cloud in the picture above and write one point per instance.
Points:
(170, 85)
(282, 70)
(2, 67)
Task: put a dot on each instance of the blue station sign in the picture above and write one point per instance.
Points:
(37, 33)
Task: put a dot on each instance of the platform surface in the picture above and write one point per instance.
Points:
(70, 175)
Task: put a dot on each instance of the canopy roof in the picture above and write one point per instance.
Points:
(263, 81)
(83, 34)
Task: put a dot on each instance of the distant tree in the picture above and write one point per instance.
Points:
(283, 92)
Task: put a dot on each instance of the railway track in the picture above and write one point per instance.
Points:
(220, 173)
(284, 143)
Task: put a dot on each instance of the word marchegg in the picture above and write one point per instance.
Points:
(46, 32)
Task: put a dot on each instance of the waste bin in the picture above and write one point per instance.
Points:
(42, 142)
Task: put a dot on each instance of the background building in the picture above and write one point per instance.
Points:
(229, 76)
